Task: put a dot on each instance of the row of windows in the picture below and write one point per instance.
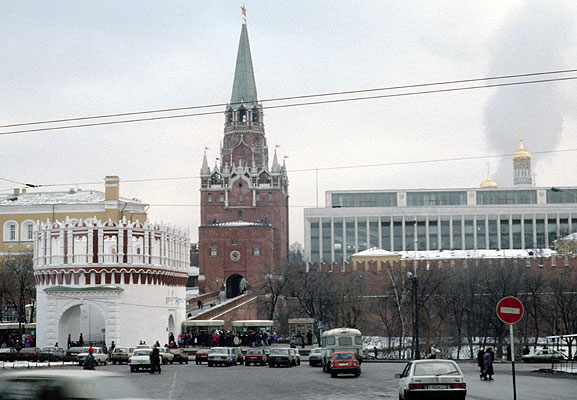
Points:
(11, 231)
(255, 250)
(452, 198)
(457, 234)
(240, 197)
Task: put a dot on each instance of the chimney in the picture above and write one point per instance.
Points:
(112, 185)
(16, 192)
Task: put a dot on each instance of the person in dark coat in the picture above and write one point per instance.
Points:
(488, 359)
(154, 360)
(89, 360)
(81, 341)
(481, 361)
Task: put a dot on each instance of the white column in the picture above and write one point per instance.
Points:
(129, 249)
(100, 245)
(146, 247)
(120, 238)
(90, 245)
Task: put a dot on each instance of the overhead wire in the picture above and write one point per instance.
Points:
(190, 115)
(341, 167)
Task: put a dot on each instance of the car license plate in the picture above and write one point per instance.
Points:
(343, 364)
(437, 386)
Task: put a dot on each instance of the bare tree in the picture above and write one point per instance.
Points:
(17, 285)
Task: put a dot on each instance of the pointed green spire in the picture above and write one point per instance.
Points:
(244, 87)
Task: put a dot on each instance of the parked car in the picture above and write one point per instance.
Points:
(283, 356)
(29, 354)
(140, 359)
(57, 383)
(544, 355)
(345, 362)
(8, 354)
(52, 354)
(255, 356)
(121, 355)
(100, 358)
(201, 355)
(167, 356)
(440, 379)
(239, 355)
(316, 357)
(180, 355)
(72, 353)
(226, 356)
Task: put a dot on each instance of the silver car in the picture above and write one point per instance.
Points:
(439, 379)
(316, 357)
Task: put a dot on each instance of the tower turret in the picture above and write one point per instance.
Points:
(522, 166)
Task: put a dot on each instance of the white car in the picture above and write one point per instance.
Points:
(100, 358)
(167, 356)
(439, 379)
(140, 359)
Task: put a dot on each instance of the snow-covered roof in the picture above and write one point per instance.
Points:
(460, 254)
(572, 236)
(456, 254)
(70, 197)
(239, 223)
(375, 252)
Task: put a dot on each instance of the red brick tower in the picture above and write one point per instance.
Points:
(244, 202)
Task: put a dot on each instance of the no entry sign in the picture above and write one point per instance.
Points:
(510, 310)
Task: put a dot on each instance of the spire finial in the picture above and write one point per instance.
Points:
(521, 138)
(243, 8)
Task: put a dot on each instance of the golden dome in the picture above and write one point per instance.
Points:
(489, 183)
(521, 152)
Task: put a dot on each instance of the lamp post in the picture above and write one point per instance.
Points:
(413, 277)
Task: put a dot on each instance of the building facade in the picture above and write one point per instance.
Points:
(244, 190)
(20, 211)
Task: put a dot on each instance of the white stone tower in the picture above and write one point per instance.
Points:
(111, 281)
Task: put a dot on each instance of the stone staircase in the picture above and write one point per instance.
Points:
(220, 309)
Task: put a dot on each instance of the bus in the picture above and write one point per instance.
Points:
(196, 326)
(252, 325)
(340, 339)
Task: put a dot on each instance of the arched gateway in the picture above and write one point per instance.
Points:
(235, 285)
(110, 281)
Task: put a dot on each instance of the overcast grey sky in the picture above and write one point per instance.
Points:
(68, 59)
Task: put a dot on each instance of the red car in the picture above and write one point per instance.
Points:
(345, 362)
(180, 355)
(201, 355)
(255, 356)
(29, 354)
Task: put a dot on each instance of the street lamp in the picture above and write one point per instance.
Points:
(415, 281)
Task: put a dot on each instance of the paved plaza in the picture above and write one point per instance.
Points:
(303, 382)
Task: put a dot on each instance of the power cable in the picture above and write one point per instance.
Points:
(293, 105)
(339, 93)
(388, 164)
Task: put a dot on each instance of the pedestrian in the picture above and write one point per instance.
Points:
(69, 344)
(154, 360)
(481, 361)
(303, 340)
(105, 350)
(309, 338)
(509, 352)
(89, 360)
(81, 341)
(488, 359)
(526, 350)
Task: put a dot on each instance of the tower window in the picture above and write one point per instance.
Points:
(240, 184)
(213, 251)
(256, 250)
(209, 198)
(240, 215)
(240, 198)
(258, 197)
(12, 235)
(234, 242)
(29, 231)
(269, 196)
(221, 197)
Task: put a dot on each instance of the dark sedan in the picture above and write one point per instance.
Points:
(8, 354)
(52, 354)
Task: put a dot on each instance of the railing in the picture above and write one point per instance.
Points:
(566, 366)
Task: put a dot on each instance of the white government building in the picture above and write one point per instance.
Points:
(485, 218)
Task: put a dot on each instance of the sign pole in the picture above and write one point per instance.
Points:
(513, 361)
(510, 310)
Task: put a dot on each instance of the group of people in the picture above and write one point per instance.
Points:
(17, 341)
(301, 339)
(485, 359)
(227, 338)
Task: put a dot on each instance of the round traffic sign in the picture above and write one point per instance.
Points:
(510, 310)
